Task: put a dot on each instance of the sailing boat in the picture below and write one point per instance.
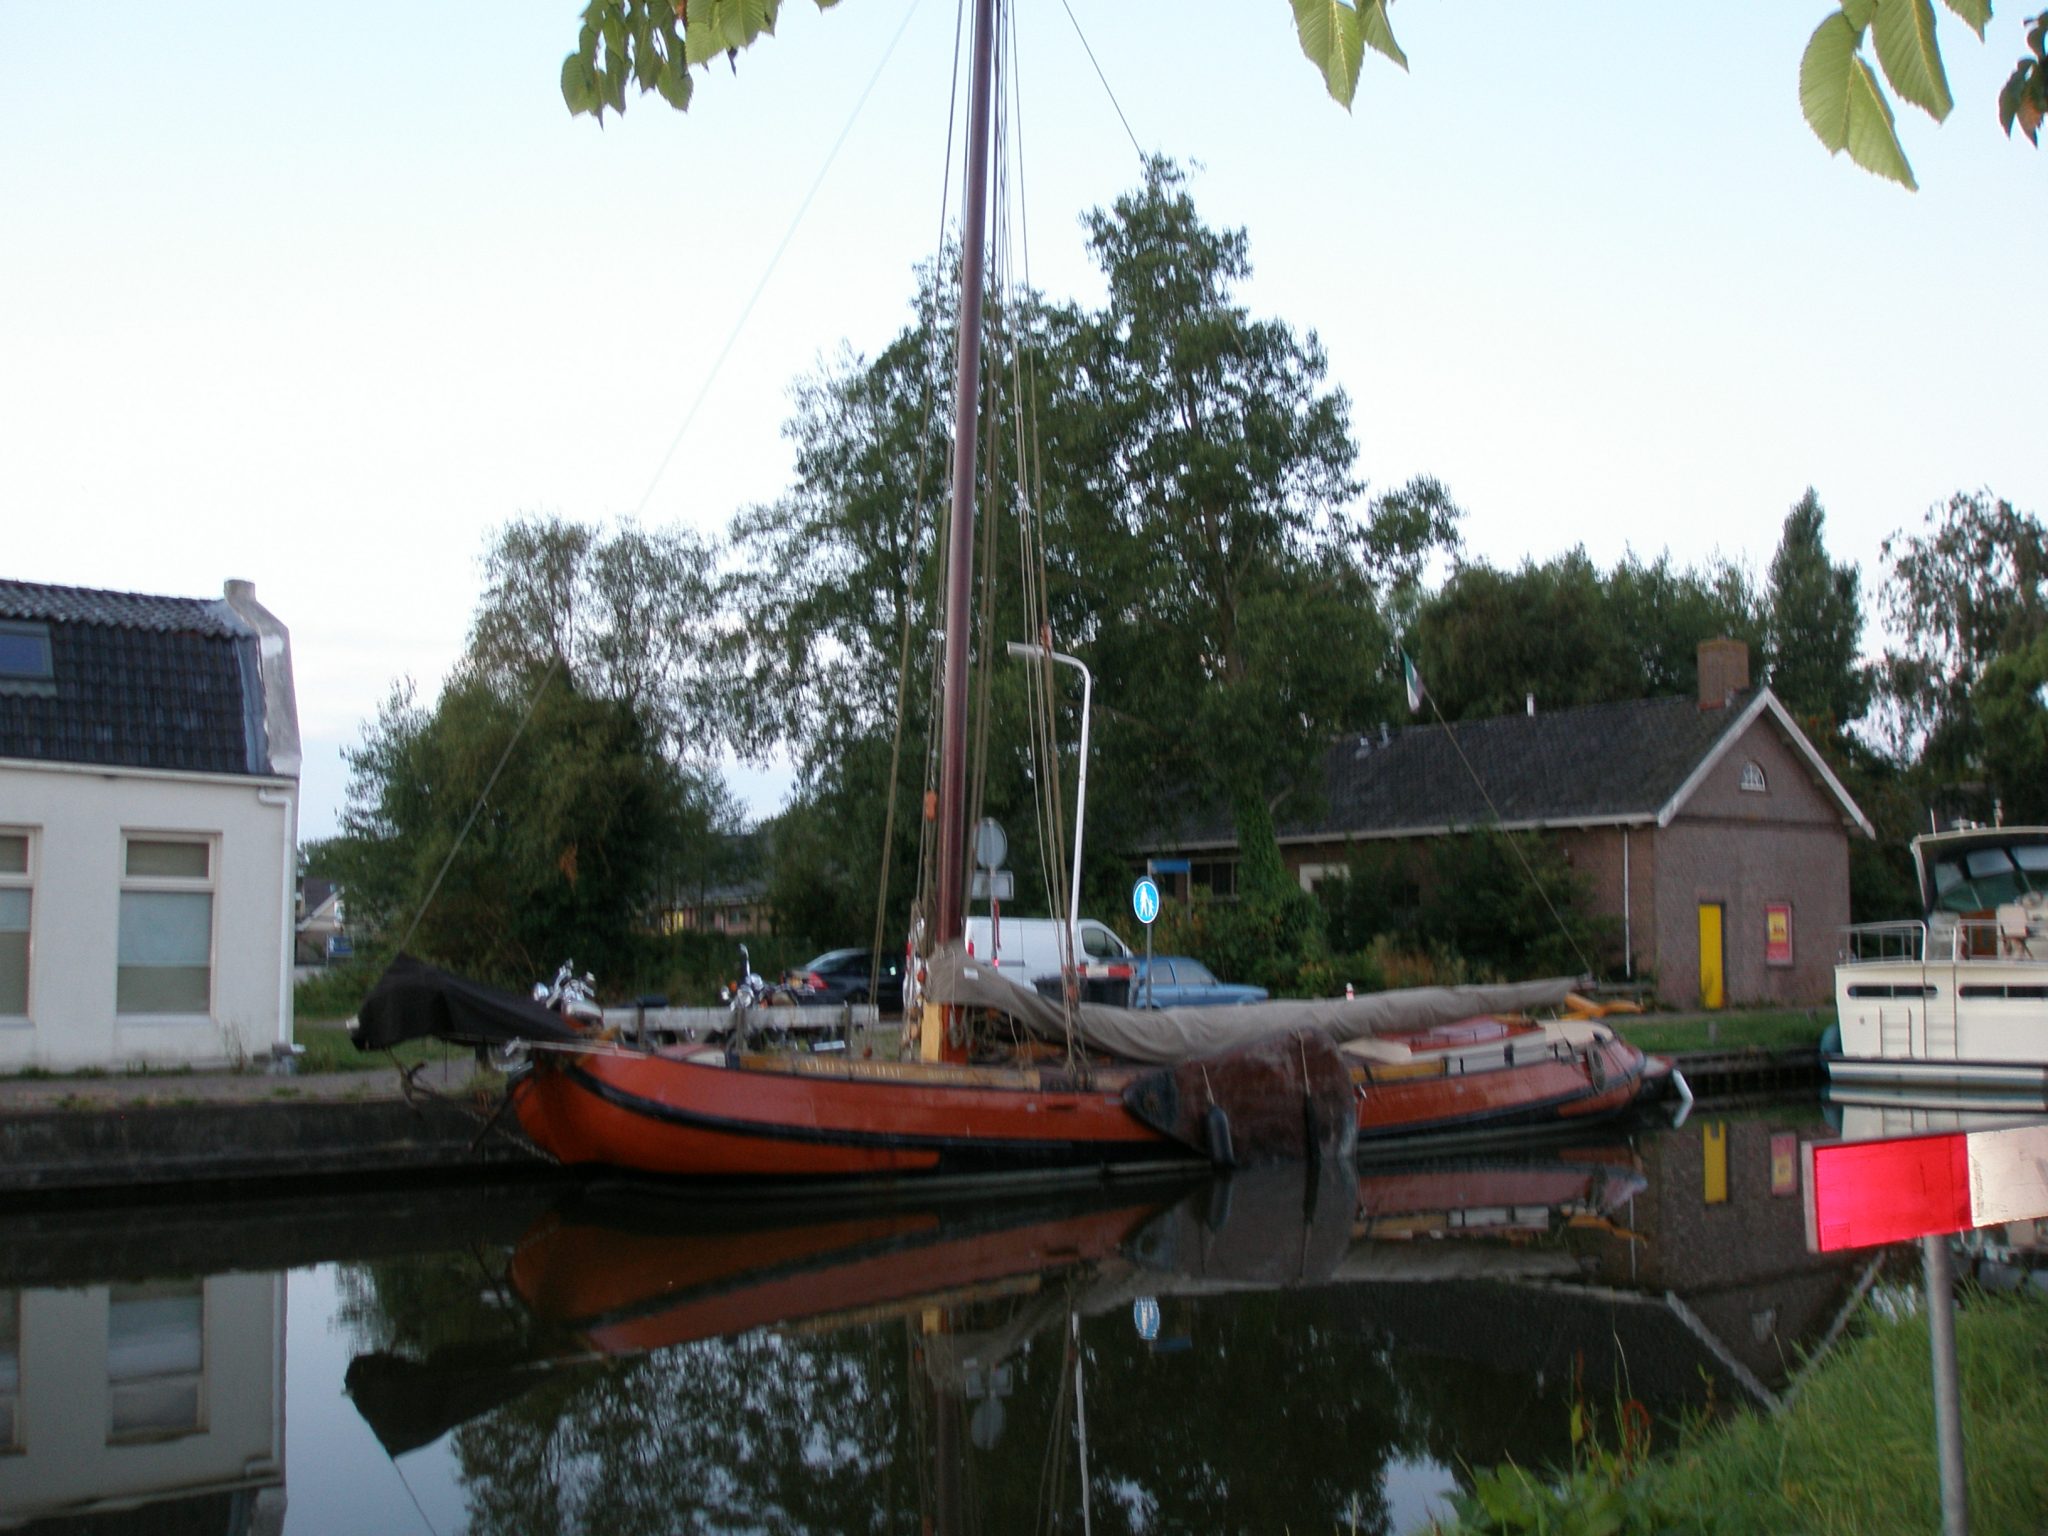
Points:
(1087, 1086)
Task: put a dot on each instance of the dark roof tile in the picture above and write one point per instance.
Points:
(137, 682)
(1599, 762)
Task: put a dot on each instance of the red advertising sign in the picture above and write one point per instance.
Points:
(1778, 933)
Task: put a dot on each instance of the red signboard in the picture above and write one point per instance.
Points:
(1778, 933)
(1860, 1193)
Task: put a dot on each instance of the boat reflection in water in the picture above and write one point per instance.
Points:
(846, 1369)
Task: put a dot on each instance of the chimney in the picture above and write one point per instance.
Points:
(1724, 671)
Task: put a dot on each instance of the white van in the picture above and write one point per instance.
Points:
(1030, 946)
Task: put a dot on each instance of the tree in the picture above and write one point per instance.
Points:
(1570, 635)
(555, 793)
(1479, 902)
(1202, 546)
(1816, 624)
(632, 616)
(1199, 534)
(1969, 588)
(2012, 707)
(653, 45)
(573, 843)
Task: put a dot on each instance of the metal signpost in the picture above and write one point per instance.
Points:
(991, 847)
(1145, 906)
(1863, 1192)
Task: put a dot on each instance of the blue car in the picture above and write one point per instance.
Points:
(1178, 982)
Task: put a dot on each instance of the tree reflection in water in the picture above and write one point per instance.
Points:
(912, 1371)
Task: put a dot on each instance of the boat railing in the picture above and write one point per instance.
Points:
(1895, 941)
(1969, 940)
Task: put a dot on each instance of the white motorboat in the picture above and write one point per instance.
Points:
(1957, 999)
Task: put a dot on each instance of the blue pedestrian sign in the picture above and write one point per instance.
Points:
(1145, 900)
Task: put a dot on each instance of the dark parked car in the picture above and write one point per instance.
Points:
(845, 975)
(1178, 982)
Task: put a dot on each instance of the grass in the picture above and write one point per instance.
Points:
(328, 1048)
(1856, 1450)
(1761, 1029)
(1853, 1456)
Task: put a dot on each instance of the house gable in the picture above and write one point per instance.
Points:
(1763, 716)
(138, 681)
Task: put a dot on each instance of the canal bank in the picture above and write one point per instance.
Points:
(147, 1136)
(124, 1138)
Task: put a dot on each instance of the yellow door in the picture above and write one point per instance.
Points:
(1712, 994)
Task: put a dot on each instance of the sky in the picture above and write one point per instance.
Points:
(320, 298)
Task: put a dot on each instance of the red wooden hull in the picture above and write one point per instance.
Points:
(1550, 1090)
(623, 1292)
(683, 1115)
(675, 1115)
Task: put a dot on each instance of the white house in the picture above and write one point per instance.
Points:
(149, 774)
(144, 1407)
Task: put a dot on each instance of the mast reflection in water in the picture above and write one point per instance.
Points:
(1274, 1351)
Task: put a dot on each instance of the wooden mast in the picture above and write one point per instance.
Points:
(950, 920)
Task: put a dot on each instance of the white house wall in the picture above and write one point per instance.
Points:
(65, 1462)
(76, 819)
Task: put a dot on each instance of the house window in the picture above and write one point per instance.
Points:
(10, 1371)
(1753, 778)
(165, 963)
(156, 1361)
(1218, 875)
(1312, 876)
(16, 900)
(25, 658)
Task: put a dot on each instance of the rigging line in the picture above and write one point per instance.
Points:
(504, 757)
(1107, 89)
(406, 1483)
(1508, 838)
(774, 261)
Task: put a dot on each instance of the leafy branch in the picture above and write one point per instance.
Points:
(654, 44)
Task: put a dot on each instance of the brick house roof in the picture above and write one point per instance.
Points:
(1601, 763)
(137, 681)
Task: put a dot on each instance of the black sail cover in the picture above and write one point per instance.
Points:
(417, 1001)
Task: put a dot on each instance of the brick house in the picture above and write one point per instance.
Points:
(1709, 828)
(149, 776)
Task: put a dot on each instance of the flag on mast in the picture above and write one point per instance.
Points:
(1416, 691)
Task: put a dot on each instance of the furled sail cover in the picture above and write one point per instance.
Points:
(1178, 1034)
(416, 1001)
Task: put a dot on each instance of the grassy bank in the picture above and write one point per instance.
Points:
(328, 1048)
(1760, 1029)
(1854, 1454)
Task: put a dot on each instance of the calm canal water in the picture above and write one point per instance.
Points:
(1271, 1353)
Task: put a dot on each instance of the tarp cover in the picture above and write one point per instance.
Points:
(1165, 1035)
(416, 1001)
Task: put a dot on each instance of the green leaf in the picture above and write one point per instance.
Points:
(1378, 31)
(1859, 13)
(1976, 14)
(1845, 106)
(1331, 37)
(1911, 55)
(579, 90)
(701, 42)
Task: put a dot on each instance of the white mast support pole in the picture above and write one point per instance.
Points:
(1019, 648)
(952, 896)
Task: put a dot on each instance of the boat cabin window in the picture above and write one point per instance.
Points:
(1978, 879)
